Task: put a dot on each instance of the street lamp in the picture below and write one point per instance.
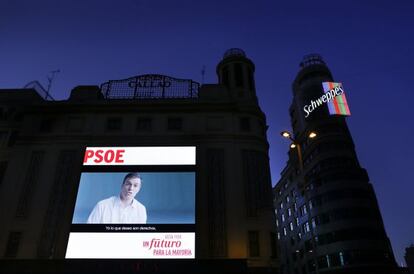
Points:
(296, 144)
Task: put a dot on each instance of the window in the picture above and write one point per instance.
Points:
(254, 248)
(310, 205)
(3, 137)
(225, 76)
(295, 207)
(276, 211)
(278, 236)
(284, 231)
(291, 226)
(114, 124)
(287, 199)
(273, 245)
(297, 221)
(3, 168)
(238, 73)
(289, 212)
(306, 227)
(245, 124)
(13, 243)
(341, 258)
(277, 223)
(175, 124)
(281, 205)
(32, 178)
(75, 124)
(313, 222)
(303, 210)
(144, 124)
(46, 125)
(283, 218)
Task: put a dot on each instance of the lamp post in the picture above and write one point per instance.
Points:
(293, 145)
(298, 147)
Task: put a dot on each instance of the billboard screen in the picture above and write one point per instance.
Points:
(338, 104)
(135, 202)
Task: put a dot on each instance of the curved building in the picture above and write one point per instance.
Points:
(328, 219)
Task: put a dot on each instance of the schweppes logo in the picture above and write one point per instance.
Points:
(334, 97)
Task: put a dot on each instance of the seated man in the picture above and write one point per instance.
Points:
(122, 209)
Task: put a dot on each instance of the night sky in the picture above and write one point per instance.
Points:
(368, 47)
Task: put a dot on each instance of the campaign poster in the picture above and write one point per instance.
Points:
(135, 202)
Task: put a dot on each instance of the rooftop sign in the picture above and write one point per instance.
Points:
(334, 97)
(150, 86)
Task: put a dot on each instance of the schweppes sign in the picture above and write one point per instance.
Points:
(334, 97)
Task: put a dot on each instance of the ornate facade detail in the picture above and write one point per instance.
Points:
(57, 204)
(257, 181)
(30, 183)
(216, 203)
(150, 86)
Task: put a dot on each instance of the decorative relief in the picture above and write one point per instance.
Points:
(30, 183)
(257, 181)
(57, 203)
(216, 203)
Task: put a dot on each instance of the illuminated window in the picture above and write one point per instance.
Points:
(306, 227)
(283, 217)
(284, 231)
(313, 222)
(289, 212)
(303, 210)
(341, 258)
(291, 226)
(277, 223)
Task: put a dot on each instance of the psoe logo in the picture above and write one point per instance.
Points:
(334, 97)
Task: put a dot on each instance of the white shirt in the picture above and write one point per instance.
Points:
(111, 211)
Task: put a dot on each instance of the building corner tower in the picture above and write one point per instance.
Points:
(328, 219)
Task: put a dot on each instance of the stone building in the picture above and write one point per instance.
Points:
(43, 141)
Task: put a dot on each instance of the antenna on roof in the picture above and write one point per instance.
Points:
(203, 72)
(50, 80)
(45, 93)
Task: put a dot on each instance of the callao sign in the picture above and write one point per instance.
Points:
(334, 97)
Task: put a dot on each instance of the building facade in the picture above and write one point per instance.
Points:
(43, 142)
(328, 220)
(409, 258)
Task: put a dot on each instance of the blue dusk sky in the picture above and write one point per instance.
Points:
(368, 45)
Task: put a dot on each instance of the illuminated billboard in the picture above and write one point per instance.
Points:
(135, 202)
(338, 105)
(334, 97)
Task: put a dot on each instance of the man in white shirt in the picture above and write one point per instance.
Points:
(122, 209)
